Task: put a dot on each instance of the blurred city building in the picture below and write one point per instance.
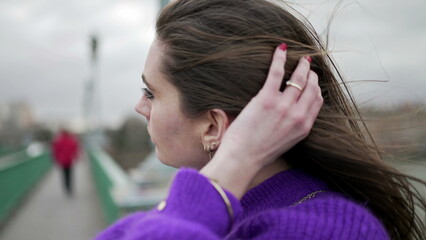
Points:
(16, 120)
(15, 115)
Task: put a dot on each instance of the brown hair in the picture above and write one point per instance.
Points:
(218, 55)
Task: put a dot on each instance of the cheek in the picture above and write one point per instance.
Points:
(165, 127)
(177, 144)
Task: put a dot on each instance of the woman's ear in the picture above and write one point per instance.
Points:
(215, 124)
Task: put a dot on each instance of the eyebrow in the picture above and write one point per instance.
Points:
(146, 82)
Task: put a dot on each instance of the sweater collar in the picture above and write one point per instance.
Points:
(280, 190)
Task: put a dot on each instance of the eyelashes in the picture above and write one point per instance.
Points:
(148, 94)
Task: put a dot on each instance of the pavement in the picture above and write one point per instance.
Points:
(49, 214)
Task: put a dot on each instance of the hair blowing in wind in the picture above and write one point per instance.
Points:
(218, 56)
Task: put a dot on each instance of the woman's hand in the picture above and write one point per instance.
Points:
(270, 124)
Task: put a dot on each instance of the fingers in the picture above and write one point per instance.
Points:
(276, 71)
(311, 91)
(299, 78)
(315, 109)
(311, 100)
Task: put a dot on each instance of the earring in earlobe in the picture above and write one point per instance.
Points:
(209, 148)
(208, 151)
(210, 154)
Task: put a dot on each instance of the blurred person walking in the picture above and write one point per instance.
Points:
(65, 148)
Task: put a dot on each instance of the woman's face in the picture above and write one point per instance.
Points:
(176, 137)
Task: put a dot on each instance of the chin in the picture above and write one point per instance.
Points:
(175, 162)
(165, 161)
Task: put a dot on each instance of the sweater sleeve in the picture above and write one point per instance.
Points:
(194, 210)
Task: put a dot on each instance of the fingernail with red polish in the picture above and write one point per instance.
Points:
(283, 46)
(308, 58)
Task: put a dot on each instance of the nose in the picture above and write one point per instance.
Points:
(143, 107)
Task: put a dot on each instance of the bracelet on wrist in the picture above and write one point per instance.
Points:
(225, 198)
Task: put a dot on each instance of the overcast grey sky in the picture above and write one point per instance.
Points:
(44, 51)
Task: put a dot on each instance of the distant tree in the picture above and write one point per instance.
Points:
(42, 134)
(130, 143)
(399, 131)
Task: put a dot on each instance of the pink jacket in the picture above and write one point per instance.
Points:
(65, 149)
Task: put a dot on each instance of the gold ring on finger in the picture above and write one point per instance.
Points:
(293, 84)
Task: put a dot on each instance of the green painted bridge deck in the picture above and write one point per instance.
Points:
(47, 213)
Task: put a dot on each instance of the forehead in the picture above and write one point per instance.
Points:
(153, 60)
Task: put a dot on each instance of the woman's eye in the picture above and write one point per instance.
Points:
(147, 93)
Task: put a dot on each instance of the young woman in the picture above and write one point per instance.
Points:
(264, 152)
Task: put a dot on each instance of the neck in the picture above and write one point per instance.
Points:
(268, 171)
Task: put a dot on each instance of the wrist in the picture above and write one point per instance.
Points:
(232, 173)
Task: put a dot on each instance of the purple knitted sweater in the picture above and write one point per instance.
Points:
(195, 210)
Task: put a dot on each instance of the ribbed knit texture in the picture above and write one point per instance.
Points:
(195, 210)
